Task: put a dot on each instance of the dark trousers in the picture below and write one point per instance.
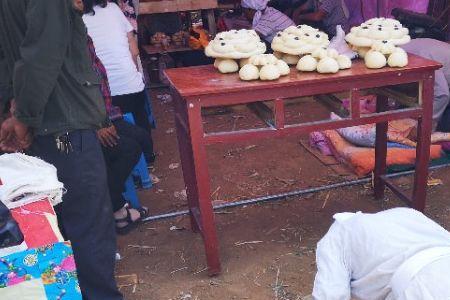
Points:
(444, 122)
(85, 214)
(138, 134)
(120, 161)
(135, 104)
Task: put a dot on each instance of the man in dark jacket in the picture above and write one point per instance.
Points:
(47, 81)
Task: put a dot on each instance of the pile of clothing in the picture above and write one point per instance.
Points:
(35, 261)
(355, 146)
(27, 179)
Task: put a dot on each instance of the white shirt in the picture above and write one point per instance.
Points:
(361, 252)
(108, 28)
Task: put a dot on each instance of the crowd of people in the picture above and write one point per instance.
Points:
(63, 93)
(267, 18)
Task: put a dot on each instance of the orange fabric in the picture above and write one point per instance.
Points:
(402, 127)
(362, 160)
(36, 225)
(201, 42)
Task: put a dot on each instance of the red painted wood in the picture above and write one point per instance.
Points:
(279, 113)
(206, 80)
(187, 162)
(424, 128)
(355, 95)
(380, 150)
(291, 129)
(201, 175)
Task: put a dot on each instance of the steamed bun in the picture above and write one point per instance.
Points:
(269, 72)
(307, 64)
(375, 60)
(327, 65)
(249, 72)
(398, 59)
(228, 66)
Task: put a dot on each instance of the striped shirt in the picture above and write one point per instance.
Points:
(113, 112)
(335, 16)
(272, 21)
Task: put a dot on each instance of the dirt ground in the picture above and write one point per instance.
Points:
(267, 250)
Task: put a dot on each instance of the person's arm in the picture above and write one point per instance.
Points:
(134, 49)
(6, 87)
(333, 276)
(311, 17)
(108, 136)
(301, 9)
(129, 30)
(42, 55)
(306, 7)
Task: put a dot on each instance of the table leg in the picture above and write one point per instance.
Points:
(380, 150)
(205, 213)
(424, 128)
(185, 150)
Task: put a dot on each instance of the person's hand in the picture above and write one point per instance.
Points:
(108, 136)
(12, 109)
(14, 135)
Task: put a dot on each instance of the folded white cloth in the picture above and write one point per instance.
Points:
(339, 44)
(27, 179)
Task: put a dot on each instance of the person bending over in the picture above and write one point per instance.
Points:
(440, 52)
(395, 254)
(266, 21)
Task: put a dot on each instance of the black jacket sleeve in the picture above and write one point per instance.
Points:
(42, 55)
(6, 87)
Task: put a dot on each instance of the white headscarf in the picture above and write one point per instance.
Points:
(258, 5)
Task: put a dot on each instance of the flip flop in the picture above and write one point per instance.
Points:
(131, 224)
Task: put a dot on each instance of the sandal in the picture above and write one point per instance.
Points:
(131, 224)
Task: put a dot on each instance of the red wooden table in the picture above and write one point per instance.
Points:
(199, 87)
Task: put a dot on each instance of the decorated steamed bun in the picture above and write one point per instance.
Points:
(235, 44)
(378, 29)
(376, 40)
(294, 42)
(263, 67)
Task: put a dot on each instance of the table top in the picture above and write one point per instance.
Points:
(165, 6)
(206, 80)
(151, 49)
